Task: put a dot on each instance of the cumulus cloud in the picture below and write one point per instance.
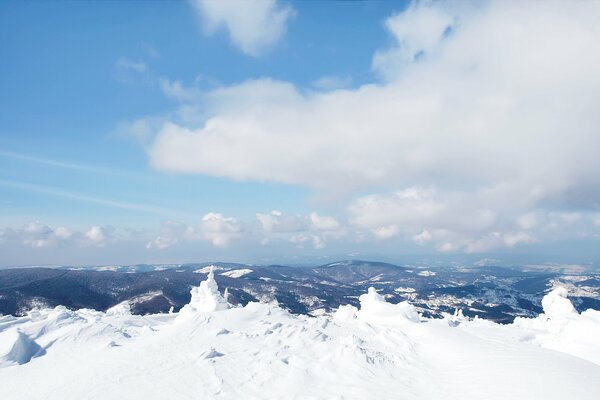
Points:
(268, 228)
(418, 31)
(38, 235)
(276, 221)
(302, 238)
(176, 90)
(220, 230)
(171, 233)
(482, 132)
(95, 234)
(324, 222)
(253, 26)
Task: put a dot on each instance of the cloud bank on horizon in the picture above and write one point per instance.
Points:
(479, 133)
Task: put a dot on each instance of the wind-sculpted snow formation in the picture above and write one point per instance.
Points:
(378, 351)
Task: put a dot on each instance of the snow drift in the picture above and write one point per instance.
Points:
(213, 350)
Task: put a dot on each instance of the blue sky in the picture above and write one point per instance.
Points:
(187, 131)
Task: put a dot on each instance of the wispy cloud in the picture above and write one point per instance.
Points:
(67, 165)
(151, 209)
(127, 64)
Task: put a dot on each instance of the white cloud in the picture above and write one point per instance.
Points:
(482, 134)
(99, 236)
(130, 65)
(299, 229)
(300, 239)
(177, 91)
(332, 82)
(95, 234)
(276, 221)
(220, 230)
(129, 71)
(170, 234)
(36, 234)
(475, 112)
(570, 217)
(253, 26)
(418, 31)
(39, 235)
(422, 238)
(386, 232)
(324, 223)
(527, 221)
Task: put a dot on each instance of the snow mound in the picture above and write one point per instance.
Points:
(206, 297)
(344, 313)
(261, 351)
(123, 308)
(561, 328)
(17, 348)
(374, 308)
(211, 353)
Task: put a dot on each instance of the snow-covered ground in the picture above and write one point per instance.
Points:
(380, 351)
(237, 273)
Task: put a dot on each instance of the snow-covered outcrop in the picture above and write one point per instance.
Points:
(261, 351)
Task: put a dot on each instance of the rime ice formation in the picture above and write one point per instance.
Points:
(374, 308)
(556, 305)
(261, 351)
(206, 297)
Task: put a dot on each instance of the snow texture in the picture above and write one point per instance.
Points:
(211, 350)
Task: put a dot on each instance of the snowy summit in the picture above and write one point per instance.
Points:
(380, 350)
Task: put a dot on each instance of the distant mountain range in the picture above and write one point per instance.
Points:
(491, 292)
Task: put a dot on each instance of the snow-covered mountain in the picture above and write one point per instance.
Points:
(490, 292)
(212, 349)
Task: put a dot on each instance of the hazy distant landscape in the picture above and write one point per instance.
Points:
(491, 292)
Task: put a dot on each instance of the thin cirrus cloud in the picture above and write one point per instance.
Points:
(485, 112)
(253, 26)
(86, 198)
(66, 165)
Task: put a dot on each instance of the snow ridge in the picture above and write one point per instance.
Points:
(211, 350)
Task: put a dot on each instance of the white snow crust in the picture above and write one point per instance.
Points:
(211, 350)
